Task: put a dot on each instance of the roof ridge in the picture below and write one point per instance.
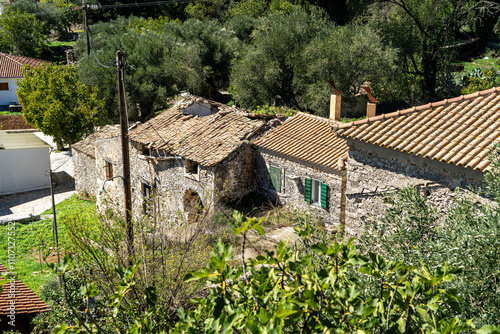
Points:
(417, 108)
(316, 117)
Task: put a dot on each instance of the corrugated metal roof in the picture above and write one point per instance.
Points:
(11, 65)
(26, 301)
(306, 137)
(20, 141)
(458, 131)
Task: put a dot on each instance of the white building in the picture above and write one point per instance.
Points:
(24, 159)
(10, 71)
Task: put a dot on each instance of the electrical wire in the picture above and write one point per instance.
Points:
(93, 52)
(144, 4)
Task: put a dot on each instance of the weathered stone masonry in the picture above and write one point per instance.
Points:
(374, 171)
(294, 172)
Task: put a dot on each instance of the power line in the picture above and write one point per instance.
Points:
(125, 5)
(93, 52)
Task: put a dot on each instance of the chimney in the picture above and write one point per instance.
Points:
(371, 105)
(335, 102)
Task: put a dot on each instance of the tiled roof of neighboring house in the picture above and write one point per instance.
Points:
(458, 131)
(207, 140)
(306, 137)
(87, 146)
(25, 300)
(11, 65)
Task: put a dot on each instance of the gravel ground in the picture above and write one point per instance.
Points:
(22, 205)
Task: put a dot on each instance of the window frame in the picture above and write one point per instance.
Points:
(281, 178)
(316, 192)
(5, 86)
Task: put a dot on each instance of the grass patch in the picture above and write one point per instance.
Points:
(8, 113)
(61, 43)
(348, 120)
(37, 237)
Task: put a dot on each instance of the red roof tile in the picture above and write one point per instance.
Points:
(11, 65)
(459, 130)
(308, 138)
(25, 300)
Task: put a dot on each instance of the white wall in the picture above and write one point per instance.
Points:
(8, 96)
(23, 170)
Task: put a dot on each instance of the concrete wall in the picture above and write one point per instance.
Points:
(373, 172)
(292, 194)
(85, 173)
(8, 96)
(23, 170)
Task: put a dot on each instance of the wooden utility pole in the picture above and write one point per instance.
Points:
(125, 157)
(54, 222)
(86, 26)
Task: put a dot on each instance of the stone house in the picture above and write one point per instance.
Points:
(84, 159)
(301, 165)
(438, 147)
(194, 155)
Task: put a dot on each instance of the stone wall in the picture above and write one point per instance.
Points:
(85, 173)
(292, 194)
(373, 172)
(227, 181)
(235, 177)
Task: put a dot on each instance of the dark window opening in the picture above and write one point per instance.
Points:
(191, 167)
(147, 198)
(108, 167)
(4, 86)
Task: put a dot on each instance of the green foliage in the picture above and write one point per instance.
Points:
(270, 110)
(478, 80)
(164, 58)
(38, 236)
(56, 102)
(422, 30)
(318, 291)
(201, 9)
(352, 55)
(22, 33)
(265, 73)
(322, 288)
(53, 16)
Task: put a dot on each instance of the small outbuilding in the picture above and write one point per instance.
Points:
(18, 305)
(24, 159)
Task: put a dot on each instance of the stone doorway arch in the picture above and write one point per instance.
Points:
(193, 205)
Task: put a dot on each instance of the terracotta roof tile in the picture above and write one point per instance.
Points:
(25, 300)
(87, 146)
(11, 65)
(207, 140)
(459, 130)
(308, 138)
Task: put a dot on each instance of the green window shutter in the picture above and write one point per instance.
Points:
(324, 190)
(275, 174)
(307, 190)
